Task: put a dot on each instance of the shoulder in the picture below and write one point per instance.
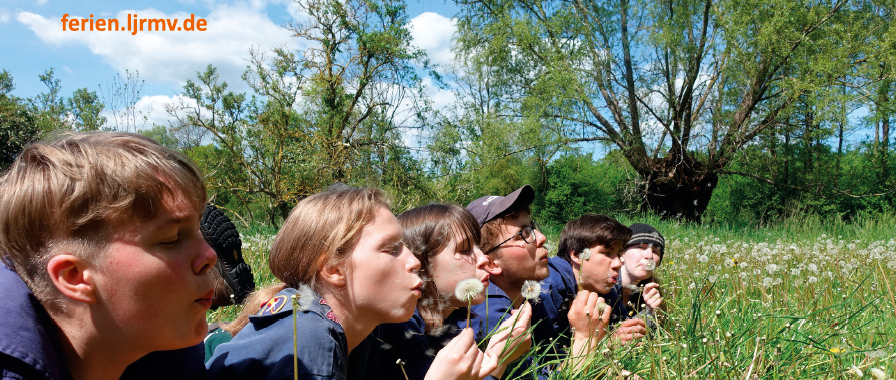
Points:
(408, 343)
(29, 347)
(265, 347)
(187, 363)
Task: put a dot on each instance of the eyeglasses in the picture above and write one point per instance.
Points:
(527, 233)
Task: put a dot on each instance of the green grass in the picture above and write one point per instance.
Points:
(804, 298)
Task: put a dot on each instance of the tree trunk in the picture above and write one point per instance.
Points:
(678, 188)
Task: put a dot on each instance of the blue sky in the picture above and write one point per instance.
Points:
(32, 41)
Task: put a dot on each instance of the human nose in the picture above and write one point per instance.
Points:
(616, 263)
(481, 258)
(540, 239)
(206, 258)
(413, 263)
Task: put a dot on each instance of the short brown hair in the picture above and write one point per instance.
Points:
(71, 192)
(589, 230)
(428, 230)
(491, 230)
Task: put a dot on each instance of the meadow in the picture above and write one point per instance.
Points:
(806, 298)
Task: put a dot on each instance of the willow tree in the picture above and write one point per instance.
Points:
(679, 86)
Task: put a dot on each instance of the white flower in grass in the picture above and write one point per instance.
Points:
(812, 279)
(586, 254)
(878, 374)
(891, 264)
(771, 268)
(703, 258)
(467, 289)
(531, 290)
(729, 263)
(855, 371)
(650, 265)
(766, 282)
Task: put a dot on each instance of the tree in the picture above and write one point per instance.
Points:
(680, 87)
(84, 109)
(332, 112)
(17, 126)
(120, 99)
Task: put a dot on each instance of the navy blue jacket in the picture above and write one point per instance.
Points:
(264, 348)
(30, 347)
(489, 315)
(408, 342)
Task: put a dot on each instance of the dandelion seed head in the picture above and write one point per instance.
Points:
(304, 297)
(703, 258)
(812, 279)
(855, 371)
(650, 265)
(467, 289)
(531, 290)
(586, 254)
(878, 374)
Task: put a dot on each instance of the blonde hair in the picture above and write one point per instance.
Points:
(321, 229)
(69, 194)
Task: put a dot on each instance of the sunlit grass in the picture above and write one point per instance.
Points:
(806, 298)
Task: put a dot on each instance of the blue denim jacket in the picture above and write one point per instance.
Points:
(264, 348)
(30, 347)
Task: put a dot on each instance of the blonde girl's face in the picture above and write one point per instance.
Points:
(459, 260)
(383, 284)
(635, 260)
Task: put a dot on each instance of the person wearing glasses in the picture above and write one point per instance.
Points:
(516, 253)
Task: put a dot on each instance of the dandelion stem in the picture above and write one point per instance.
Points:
(889, 289)
(401, 364)
(295, 337)
(469, 305)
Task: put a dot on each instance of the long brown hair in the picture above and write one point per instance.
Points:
(321, 229)
(428, 230)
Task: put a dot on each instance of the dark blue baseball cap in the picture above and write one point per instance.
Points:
(487, 208)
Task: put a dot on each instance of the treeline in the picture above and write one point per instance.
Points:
(713, 110)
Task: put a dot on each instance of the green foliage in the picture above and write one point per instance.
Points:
(576, 185)
(17, 125)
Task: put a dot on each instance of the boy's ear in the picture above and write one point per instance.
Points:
(73, 277)
(492, 267)
(574, 257)
(332, 274)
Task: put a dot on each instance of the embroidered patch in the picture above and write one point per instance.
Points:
(274, 305)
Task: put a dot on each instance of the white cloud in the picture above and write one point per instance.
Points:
(41, 2)
(172, 57)
(147, 111)
(433, 32)
(4, 16)
(441, 98)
